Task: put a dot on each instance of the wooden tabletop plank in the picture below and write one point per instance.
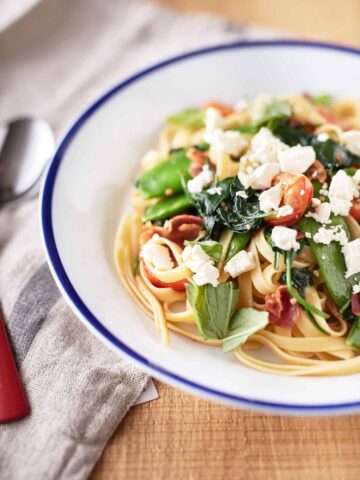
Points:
(186, 438)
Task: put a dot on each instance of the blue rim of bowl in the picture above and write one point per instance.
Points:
(78, 304)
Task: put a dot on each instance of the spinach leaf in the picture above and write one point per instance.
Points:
(330, 153)
(213, 307)
(244, 323)
(190, 117)
(210, 247)
(300, 278)
(278, 109)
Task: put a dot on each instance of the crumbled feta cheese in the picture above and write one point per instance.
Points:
(352, 141)
(270, 199)
(351, 253)
(207, 274)
(241, 105)
(356, 289)
(302, 192)
(323, 137)
(201, 264)
(157, 255)
(307, 235)
(215, 191)
(242, 194)
(322, 212)
(285, 238)
(284, 211)
(230, 142)
(315, 202)
(265, 147)
(356, 177)
(341, 193)
(297, 159)
(194, 257)
(324, 192)
(240, 263)
(213, 121)
(261, 177)
(332, 234)
(198, 183)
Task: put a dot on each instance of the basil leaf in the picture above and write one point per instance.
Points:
(188, 118)
(324, 100)
(278, 109)
(210, 247)
(245, 323)
(300, 278)
(213, 307)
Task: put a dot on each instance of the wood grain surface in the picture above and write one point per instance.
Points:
(180, 437)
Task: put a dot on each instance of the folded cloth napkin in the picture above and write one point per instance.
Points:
(56, 59)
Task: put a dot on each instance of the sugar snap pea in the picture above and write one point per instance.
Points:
(167, 207)
(238, 243)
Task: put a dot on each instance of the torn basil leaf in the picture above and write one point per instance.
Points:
(213, 307)
(210, 247)
(245, 323)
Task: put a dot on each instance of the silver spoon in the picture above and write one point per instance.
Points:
(27, 146)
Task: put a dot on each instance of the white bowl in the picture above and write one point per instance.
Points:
(87, 189)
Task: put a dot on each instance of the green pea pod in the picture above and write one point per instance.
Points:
(330, 259)
(165, 176)
(353, 338)
(167, 207)
(238, 243)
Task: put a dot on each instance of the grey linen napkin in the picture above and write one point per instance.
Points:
(55, 60)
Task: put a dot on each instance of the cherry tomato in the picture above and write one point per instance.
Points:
(355, 209)
(178, 286)
(297, 192)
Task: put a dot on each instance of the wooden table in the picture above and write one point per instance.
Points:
(179, 437)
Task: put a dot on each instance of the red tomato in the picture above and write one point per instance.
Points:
(297, 192)
(355, 209)
(178, 286)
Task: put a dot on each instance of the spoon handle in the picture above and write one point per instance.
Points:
(13, 403)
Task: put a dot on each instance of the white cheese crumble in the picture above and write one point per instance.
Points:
(323, 137)
(351, 253)
(240, 263)
(230, 142)
(242, 194)
(201, 264)
(341, 193)
(322, 213)
(265, 147)
(285, 238)
(157, 255)
(284, 211)
(297, 159)
(213, 121)
(198, 183)
(332, 234)
(270, 199)
(302, 192)
(261, 177)
(207, 274)
(356, 177)
(215, 191)
(352, 141)
(315, 202)
(356, 289)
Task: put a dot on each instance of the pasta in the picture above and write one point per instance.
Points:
(245, 232)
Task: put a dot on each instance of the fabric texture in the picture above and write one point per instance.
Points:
(54, 61)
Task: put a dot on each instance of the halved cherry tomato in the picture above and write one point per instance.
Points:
(355, 209)
(223, 109)
(297, 192)
(178, 286)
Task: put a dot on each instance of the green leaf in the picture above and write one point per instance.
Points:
(353, 338)
(247, 129)
(189, 117)
(213, 307)
(210, 247)
(324, 99)
(245, 323)
(276, 110)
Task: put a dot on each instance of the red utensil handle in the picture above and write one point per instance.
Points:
(13, 403)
